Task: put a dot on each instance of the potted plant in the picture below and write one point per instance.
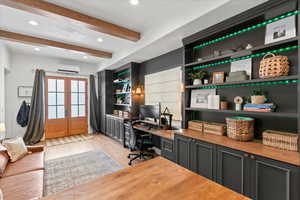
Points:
(223, 103)
(197, 77)
(258, 96)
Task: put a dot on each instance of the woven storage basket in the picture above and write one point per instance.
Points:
(274, 66)
(240, 128)
(281, 140)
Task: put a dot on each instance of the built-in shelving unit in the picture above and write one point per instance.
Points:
(127, 75)
(246, 28)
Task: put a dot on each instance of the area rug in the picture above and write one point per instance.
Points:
(69, 139)
(66, 172)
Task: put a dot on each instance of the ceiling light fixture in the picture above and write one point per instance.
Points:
(37, 49)
(33, 23)
(134, 2)
(85, 57)
(100, 40)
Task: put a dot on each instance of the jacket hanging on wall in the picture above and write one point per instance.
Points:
(23, 114)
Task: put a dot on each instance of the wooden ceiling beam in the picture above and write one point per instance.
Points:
(40, 41)
(51, 10)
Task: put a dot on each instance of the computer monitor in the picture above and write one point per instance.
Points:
(150, 111)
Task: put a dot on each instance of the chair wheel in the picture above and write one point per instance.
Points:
(130, 163)
(128, 156)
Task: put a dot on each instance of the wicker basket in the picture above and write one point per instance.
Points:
(281, 140)
(240, 128)
(274, 66)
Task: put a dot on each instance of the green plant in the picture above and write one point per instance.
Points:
(198, 75)
(258, 92)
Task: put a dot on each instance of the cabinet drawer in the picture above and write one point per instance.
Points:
(167, 149)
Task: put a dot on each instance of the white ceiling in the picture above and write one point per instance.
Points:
(162, 23)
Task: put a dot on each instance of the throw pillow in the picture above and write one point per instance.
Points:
(16, 148)
(3, 162)
(1, 194)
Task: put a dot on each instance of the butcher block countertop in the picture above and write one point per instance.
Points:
(151, 180)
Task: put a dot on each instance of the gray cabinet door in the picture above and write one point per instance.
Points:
(203, 159)
(167, 149)
(183, 150)
(233, 170)
(117, 129)
(121, 131)
(274, 180)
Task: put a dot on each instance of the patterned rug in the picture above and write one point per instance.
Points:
(70, 171)
(69, 139)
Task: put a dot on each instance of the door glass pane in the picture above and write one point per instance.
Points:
(74, 111)
(74, 86)
(60, 99)
(74, 99)
(81, 86)
(81, 111)
(52, 99)
(60, 112)
(51, 112)
(81, 98)
(60, 85)
(51, 85)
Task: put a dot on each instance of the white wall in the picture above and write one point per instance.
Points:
(21, 74)
(4, 65)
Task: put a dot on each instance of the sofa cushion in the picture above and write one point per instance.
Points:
(3, 162)
(16, 148)
(23, 186)
(30, 162)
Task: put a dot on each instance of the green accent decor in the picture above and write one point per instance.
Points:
(265, 83)
(246, 29)
(241, 118)
(246, 57)
(124, 72)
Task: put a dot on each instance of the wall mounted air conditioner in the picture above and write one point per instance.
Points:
(68, 69)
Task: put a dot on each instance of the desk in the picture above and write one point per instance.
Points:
(149, 181)
(169, 134)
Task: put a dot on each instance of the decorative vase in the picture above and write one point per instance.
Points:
(197, 82)
(224, 105)
(258, 99)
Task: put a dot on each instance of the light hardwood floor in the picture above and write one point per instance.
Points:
(114, 149)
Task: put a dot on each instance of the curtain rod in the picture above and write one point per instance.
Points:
(68, 74)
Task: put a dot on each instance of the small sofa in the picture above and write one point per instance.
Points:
(23, 179)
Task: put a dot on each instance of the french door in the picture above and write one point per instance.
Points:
(66, 106)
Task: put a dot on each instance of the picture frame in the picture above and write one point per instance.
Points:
(242, 65)
(218, 77)
(281, 30)
(25, 91)
(199, 98)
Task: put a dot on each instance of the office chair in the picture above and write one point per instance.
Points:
(140, 142)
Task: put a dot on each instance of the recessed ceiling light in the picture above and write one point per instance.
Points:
(85, 57)
(33, 23)
(134, 2)
(99, 39)
(37, 49)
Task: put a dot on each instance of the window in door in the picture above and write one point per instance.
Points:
(56, 98)
(78, 98)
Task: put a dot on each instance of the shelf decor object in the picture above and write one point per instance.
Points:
(240, 128)
(263, 24)
(281, 140)
(214, 128)
(246, 57)
(196, 125)
(274, 66)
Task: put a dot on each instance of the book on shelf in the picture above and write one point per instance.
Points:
(267, 107)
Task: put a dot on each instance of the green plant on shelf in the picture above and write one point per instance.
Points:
(197, 75)
(258, 92)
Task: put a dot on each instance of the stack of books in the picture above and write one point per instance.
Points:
(268, 107)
